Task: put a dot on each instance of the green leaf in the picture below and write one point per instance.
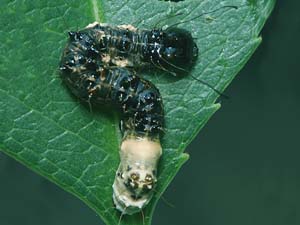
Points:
(44, 127)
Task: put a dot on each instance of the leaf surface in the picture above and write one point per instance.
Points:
(47, 129)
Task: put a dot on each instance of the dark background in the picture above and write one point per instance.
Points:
(244, 166)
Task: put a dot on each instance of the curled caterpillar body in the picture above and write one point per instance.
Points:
(140, 106)
(172, 50)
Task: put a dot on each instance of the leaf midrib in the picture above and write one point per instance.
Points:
(97, 10)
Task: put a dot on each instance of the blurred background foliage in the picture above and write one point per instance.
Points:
(244, 165)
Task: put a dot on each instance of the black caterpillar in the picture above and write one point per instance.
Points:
(97, 65)
(172, 50)
(142, 116)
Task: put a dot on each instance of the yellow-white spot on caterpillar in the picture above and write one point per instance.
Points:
(127, 27)
(122, 62)
(91, 25)
(106, 58)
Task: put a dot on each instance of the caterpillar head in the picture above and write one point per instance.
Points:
(178, 50)
(136, 176)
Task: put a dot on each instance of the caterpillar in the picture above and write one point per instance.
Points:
(142, 116)
(98, 65)
(172, 50)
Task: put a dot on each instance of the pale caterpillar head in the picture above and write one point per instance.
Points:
(136, 176)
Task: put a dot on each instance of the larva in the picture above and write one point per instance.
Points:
(172, 50)
(140, 104)
(95, 66)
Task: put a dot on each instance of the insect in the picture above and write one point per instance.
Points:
(142, 116)
(98, 66)
(172, 50)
